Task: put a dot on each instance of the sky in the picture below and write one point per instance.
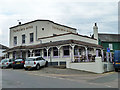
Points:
(79, 14)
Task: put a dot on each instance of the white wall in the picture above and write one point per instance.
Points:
(68, 37)
(48, 31)
(95, 67)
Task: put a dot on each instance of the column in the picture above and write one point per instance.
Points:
(86, 53)
(102, 54)
(42, 53)
(58, 56)
(97, 53)
(78, 55)
(94, 51)
(30, 52)
(111, 56)
(72, 53)
(47, 52)
(107, 56)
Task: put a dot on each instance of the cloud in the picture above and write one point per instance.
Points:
(80, 14)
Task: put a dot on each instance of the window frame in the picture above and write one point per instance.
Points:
(15, 40)
(31, 37)
(55, 50)
(23, 39)
(66, 49)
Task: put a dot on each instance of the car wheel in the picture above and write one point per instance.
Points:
(10, 66)
(46, 65)
(38, 67)
(26, 68)
(13, 67)
(1, 67)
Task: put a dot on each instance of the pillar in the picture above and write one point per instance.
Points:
(102, 54)
(42, 53)
(31, 52)
(97, 53)
(47, 52)
(111, 56)
(86, 53)
(107, 56)
(78, 55)
(72, 53)
(58, 55)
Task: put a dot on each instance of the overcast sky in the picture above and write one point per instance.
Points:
(80, 14)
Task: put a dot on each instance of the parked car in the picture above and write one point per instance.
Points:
(6, 63)
(35, 62)
(116, 61)
(18, 63)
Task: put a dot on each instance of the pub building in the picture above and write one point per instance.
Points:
(55, 42)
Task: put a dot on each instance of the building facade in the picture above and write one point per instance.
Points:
(55, 42)
(2, 48)
(110, 41)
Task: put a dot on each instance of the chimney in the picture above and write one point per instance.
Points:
(95, 32)
(19, 23)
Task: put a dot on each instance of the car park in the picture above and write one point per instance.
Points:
(18, 63)
(6, 63)
(35, 62)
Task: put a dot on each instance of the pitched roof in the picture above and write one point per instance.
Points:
(109, 37)
(67, 34)
(43, 20)
(3, 47)
(55, 44)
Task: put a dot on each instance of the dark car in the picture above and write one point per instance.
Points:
(18, 63)
(116, 62)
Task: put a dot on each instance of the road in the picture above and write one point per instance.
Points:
(26, 79)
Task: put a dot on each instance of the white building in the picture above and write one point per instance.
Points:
(2, 48)
(53, 41)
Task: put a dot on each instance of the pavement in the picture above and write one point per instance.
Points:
(57, 78)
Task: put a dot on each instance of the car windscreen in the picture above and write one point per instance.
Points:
(19, 60)
(30, 59)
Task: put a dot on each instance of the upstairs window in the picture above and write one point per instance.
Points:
(31, 37)
(23, 39)
(15, 40)
(111, 46)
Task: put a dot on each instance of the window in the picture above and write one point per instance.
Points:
(31, 37)
(76, 51)
(23, 39)
(37, 52)
(111, 46)
(45, 52)
(29, 53)
(66, 50)
(15, 40)
(55, 51)
(40, 58)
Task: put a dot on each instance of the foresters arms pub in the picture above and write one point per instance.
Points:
(55, 42)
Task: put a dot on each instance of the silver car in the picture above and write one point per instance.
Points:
(35, 62)
(6, 63)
